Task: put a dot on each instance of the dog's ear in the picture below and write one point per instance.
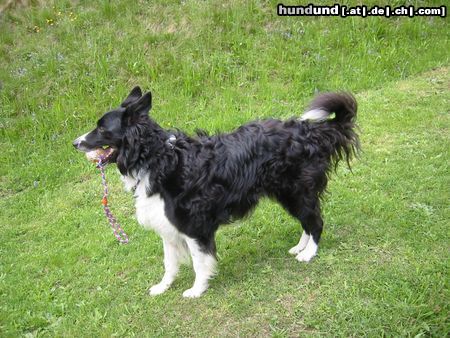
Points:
(134, 95)
(139, 108)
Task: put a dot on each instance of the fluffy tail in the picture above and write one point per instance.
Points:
(338, 130)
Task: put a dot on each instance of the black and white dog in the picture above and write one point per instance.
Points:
(185, 187)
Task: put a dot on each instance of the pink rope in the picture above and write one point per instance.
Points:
(117, 229)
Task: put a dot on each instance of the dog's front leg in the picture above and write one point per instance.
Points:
(204, 266)
(172, 256)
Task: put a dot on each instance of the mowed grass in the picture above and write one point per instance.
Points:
(383, 264)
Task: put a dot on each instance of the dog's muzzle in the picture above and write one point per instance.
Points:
(78, 143)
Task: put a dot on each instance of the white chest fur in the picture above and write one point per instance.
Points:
(150, 211)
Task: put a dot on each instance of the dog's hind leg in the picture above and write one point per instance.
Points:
(175, 251)
(204, 263)
(312, 223)
(307, 210)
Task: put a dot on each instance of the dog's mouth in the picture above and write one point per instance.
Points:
(104, 154)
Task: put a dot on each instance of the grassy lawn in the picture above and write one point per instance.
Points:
(383, 265)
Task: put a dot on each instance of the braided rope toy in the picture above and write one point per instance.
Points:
(101, 156)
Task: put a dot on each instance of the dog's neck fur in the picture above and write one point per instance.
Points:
(145, 149)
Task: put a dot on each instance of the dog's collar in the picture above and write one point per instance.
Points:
(171, 141)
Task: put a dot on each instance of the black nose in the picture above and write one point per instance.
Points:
(75, 144)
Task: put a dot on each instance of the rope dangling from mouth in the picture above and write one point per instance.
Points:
(119, 233)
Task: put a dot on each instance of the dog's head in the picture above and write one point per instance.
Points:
(112, 126)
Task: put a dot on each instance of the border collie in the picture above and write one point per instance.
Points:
(185, 187)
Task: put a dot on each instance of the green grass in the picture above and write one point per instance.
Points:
(383, 265)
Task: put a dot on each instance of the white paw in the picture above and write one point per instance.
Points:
(302, 244)
(193, 293)
(305, 256)
(295, 250)
(158, 289)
